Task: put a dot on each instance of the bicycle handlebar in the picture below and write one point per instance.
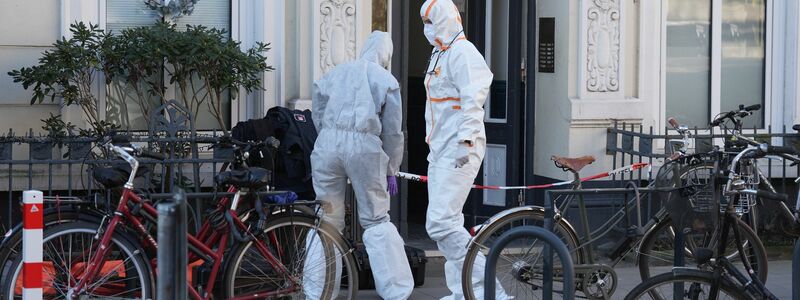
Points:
(741, 113)
(766, 195)
(269, 141)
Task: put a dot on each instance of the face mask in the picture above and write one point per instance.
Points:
(430, 34)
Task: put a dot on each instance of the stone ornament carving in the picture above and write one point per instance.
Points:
(337, 33)
(603, 45)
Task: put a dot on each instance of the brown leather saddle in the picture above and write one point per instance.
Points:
(572, 164)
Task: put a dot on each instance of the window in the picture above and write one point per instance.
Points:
(714, 67)
(122, 14)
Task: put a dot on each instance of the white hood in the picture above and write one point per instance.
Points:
(446, 21)
(378, 49)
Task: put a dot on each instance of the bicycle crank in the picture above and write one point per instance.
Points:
(597, 281)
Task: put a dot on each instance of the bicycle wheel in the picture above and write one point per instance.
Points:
(656, 252)
(68, 248)
(516, 252)
(296, 258)
(692, 284)
(12, 243)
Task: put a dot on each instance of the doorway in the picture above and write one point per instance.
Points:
(494, 28)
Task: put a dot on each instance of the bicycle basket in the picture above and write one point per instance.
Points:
(688, 191)
(748, 172)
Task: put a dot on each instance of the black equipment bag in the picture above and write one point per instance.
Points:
(297, 134)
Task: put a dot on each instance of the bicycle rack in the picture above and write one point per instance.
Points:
(796, 271)
(552, 243)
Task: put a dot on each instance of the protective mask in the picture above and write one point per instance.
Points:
(430, 34)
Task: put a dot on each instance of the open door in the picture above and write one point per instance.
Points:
(495, 29)
(500, 36)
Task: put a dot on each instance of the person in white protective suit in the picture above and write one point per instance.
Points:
(457, 83)
(357, 110)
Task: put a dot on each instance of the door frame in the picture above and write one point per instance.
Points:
(401, 15)
(517, 105)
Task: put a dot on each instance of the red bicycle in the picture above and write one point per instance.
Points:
(253, 251)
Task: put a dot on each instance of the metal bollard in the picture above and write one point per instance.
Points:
(32, 224)
(796, 271)
(551, 241)
(172, 247)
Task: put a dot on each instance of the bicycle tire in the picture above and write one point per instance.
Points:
(134, 259)
(661, 237)
(494, 230)
(335, 248)
(646, 289)
(12, 244)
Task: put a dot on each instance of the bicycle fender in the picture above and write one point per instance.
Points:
(477, 230)
(8, 235)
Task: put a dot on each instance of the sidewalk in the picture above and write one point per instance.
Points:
(779, 281)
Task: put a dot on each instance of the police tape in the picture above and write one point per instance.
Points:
(618, 171)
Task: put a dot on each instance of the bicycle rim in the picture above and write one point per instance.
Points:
(66, 250)
(696, 285)
(656, 252)
(311, 263)
(519, 266)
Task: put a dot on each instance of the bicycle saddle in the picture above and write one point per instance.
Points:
(572, 164)
(253, 178)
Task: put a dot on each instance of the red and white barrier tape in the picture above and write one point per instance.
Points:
(32, 226)
(622, 170)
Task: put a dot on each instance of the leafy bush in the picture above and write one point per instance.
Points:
(201, 62)
(67, 71)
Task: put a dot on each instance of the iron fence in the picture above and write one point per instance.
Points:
(61, 166)
(631, 143)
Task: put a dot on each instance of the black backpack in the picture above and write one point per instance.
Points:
(256, 130)
(297, 134)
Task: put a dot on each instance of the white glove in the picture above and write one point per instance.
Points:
(462, 154)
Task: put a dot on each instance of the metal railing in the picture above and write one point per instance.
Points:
(69, 173)
(61, 166)
(630, 143)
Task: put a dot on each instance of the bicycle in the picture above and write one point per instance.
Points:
(266, 258)
(717, 276)
(650, 241)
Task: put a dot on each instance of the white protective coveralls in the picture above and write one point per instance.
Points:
(357, 110)
(457, 83)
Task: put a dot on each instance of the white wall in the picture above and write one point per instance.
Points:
(571, 120)
(27, 28)
(553, 110)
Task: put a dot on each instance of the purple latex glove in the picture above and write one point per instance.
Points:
(391, 185)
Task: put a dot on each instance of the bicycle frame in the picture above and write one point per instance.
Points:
(200, 246)
(576, 184)
(750, 281)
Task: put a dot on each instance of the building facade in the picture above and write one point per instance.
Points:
(565, 70)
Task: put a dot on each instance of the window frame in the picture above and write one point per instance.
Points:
(236, 110)
(715, 101)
